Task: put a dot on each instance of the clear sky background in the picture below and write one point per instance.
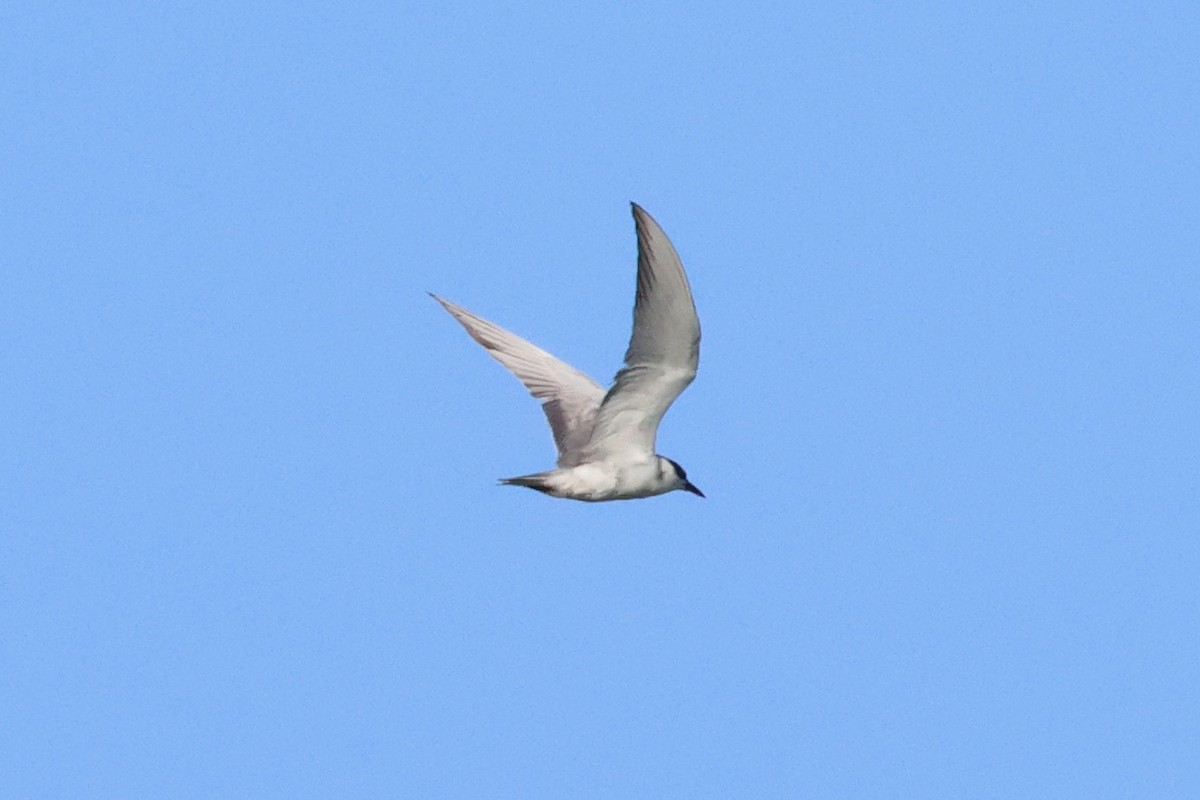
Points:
(947, 261)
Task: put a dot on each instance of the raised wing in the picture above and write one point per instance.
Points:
(663, 353)
(569, 398)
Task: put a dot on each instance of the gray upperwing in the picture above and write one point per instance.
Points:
(569, 398)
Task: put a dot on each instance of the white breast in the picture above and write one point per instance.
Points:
(598, 481)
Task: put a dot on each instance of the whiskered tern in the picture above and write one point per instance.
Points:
(605, 440)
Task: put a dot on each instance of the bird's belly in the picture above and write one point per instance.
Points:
(598, 482)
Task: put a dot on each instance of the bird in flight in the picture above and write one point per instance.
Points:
(605, 440)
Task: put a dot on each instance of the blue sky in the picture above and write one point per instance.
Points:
(947, 263)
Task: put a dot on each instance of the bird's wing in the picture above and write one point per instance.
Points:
(663, 353)
(569, 398)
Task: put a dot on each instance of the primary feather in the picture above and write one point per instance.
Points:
(663, 353)
(569, 398)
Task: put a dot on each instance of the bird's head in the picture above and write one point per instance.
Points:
(674, 473)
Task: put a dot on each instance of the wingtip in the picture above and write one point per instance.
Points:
(446, 305)
(643, 219)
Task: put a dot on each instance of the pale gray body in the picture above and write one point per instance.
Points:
(605, 440)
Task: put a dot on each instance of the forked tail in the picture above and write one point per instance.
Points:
(538, 481)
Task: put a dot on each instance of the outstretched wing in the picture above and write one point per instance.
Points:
(663, 353)
(569, 398)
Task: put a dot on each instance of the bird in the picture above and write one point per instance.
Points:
(606, 439)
